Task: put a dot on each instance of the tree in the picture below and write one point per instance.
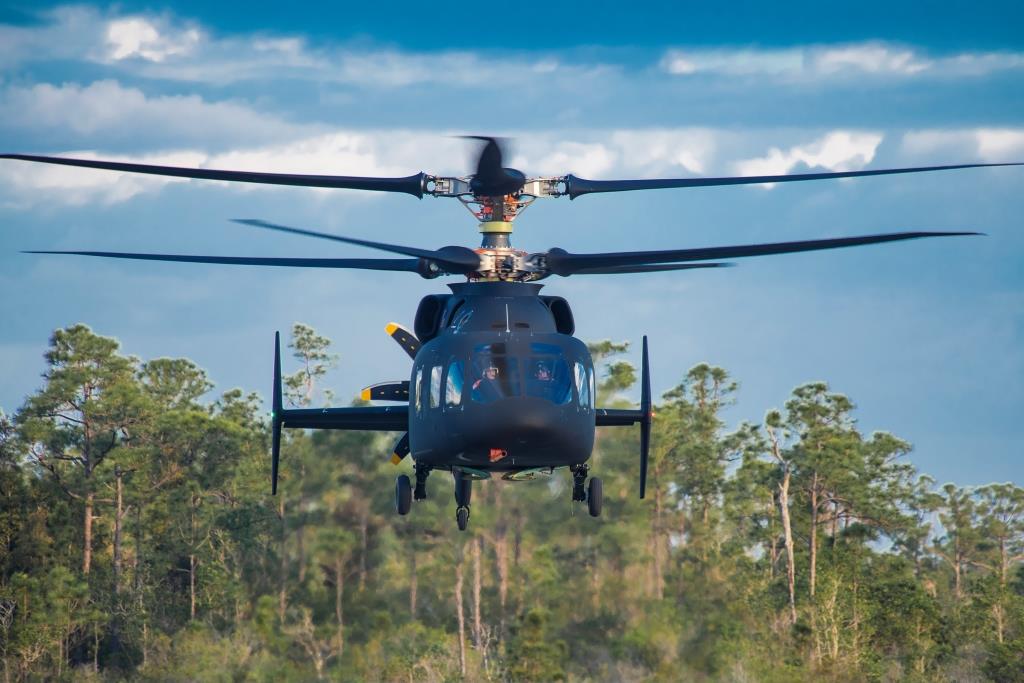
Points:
(86, 409)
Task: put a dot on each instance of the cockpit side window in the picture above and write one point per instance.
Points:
(453, 387)
(435, 386)
(495, 375)
(460, 316)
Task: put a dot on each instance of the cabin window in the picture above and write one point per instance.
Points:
(495, 374)
(547, 374)
(453, 387)
(593, 389)
(582, 384)
(435, 386)
(418, 390)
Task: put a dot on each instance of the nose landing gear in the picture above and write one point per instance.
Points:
(592, 493)
(463, 493)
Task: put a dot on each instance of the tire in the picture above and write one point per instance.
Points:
(462, 518)
(403, 494)
(594, 497)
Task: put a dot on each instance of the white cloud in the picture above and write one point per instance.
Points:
(106, 109)
(139, 37)
(871, 58)
(836, 151)
(733, 62)
(29, 184)
(818, 62)
(163, 47)
(990, 145)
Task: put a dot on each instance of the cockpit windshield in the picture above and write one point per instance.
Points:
(547, 374)
(495, 374)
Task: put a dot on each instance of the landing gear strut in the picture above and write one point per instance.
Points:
(463, 493)
(579, 478)
(582, 491)
(422, 471)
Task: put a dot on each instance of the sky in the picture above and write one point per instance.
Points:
(926, 337)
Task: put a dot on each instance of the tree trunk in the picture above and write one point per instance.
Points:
(998, 607)
(118, 517)
(339, 593)
(282, 595)
(659, 572)
(813, 541)
(477, 620)
(300, 536)
(192, 563)
(461, 615)
(87, 534)
(413, 584)
(364, 523)
(501, 557)
(787, 532)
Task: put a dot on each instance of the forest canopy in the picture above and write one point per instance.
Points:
(139, 541)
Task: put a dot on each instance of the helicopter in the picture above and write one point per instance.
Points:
(499, 385)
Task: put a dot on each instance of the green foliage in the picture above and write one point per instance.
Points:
(197, 573)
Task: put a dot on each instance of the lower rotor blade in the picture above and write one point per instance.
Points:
(454, 259)
(561, 262)
(613, 270)
(574, 187)
(406, 265)
(409, 185)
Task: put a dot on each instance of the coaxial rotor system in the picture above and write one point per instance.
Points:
(496, 195)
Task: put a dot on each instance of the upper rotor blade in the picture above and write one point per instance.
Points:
(612, 270)
(574, 187)
(561, 262)
(408, 265)
(409, 185)
(460, 259)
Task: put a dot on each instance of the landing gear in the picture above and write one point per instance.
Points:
(403, 494)
(594, 497)
(582, 491)
(422, 471)
(463, 493)
(579, 478)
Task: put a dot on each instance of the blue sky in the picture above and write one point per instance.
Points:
(926, 337)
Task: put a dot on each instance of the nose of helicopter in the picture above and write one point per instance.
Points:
(528, 429)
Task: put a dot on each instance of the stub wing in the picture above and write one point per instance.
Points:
(368, 418)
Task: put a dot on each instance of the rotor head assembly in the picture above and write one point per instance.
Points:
(496, 195)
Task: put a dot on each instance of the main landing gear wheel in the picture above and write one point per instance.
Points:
(594, 497)
(403, 494)
(463, 493)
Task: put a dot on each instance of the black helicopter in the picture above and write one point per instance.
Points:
(499, 385)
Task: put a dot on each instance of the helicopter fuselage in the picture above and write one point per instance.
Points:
(500, 383)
